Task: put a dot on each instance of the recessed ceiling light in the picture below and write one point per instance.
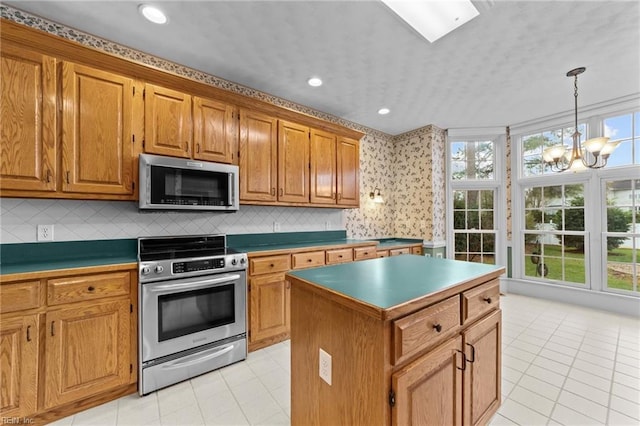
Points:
(153, 14)
(433, 19)
(384, 111)
(314, 81)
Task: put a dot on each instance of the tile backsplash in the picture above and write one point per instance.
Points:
(97, 220)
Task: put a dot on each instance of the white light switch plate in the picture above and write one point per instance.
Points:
(325, 366)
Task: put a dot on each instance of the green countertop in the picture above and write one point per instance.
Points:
(391, 281)
(290, 246)
(32, 257)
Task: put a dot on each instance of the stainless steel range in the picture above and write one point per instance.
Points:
(192, 308)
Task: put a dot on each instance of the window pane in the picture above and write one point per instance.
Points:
(533, 219)
(618, 127)
(459, 219)
(486, 219)
(619, 219)
(487, 199)
(532, 145)
(622, 265)
(472, 160)
(623, 154)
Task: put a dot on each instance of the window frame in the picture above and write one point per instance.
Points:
(594, 193)
(497, 184)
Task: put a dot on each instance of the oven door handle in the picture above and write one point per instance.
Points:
(197, 358)
(193, 285)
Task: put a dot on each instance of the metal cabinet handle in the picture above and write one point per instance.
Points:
(271, 265)
(186, 146)
(487, 299)
(198, 148)
(273, 191)
(473, 353)
(91, 288)
(28, 333)
(67, 176)
(48, 176)
(339, 196)
(437, 328)
(53, 330)
(281, 192)
(309, 260)
(340, 256)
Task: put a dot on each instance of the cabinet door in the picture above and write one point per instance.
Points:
(348, 164)
(28, 117)
(269, 306)
(323, 167)
(215, 136)
(87, 350)
(429, 390)
(482, 392)
(167, 121)
(97, 148)
(258, 156)
(18, 365)
(293, 162)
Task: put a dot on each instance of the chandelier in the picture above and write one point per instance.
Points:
(593, 153)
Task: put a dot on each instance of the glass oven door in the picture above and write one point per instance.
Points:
(182, 314)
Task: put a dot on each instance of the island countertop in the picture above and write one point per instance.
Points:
(389, 287)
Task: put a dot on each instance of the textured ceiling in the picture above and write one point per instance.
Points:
(504, 67)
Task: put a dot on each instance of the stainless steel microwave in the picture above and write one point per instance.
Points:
(168, 183)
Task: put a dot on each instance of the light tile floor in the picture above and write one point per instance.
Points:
(562, 364)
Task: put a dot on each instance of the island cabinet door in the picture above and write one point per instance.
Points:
(429, 390)
(482, 374)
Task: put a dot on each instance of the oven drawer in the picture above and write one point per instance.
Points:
(87, 287)
(479, 300)
(339, 256)
(425, 328)
(308, 259)
(269, 264)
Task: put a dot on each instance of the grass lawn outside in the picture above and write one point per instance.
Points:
(619, 266)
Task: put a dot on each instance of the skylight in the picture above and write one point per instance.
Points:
(433, 18)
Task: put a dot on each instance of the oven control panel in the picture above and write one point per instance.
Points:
(198, 265)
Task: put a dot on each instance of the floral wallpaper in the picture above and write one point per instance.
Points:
(438, 139)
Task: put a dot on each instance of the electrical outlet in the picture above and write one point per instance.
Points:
(276, 226)
(45, 232)
(327, 225)
(427, 255)
(325, 366)
(439, 255)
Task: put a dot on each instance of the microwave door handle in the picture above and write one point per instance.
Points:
(230, 194)
(197, 358)
(193, 286)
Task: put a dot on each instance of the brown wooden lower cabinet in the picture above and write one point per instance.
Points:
(269, 312)
(69, 347)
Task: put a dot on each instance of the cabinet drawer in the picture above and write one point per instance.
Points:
(382, 253)
(360, 253)
(399, 251)
(87, 287)
(307, 260)
(425, 328)
(479, 300)
(339, 256)
(269, 264)
(416, 250)
(19, 296)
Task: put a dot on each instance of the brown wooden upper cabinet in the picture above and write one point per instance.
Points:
(335, 166)
(215, 131)
(293, 162)
(258, 156)
(28, 116)
(167, 121)
(97, 145)
(180, 125)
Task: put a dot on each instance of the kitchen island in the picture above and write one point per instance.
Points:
(406, 340)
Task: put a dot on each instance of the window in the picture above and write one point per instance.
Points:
(579, 228)
(534, 144)
(621, 239)
(475, 185)
(554, 235)
(626, 130)
(473, 225)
